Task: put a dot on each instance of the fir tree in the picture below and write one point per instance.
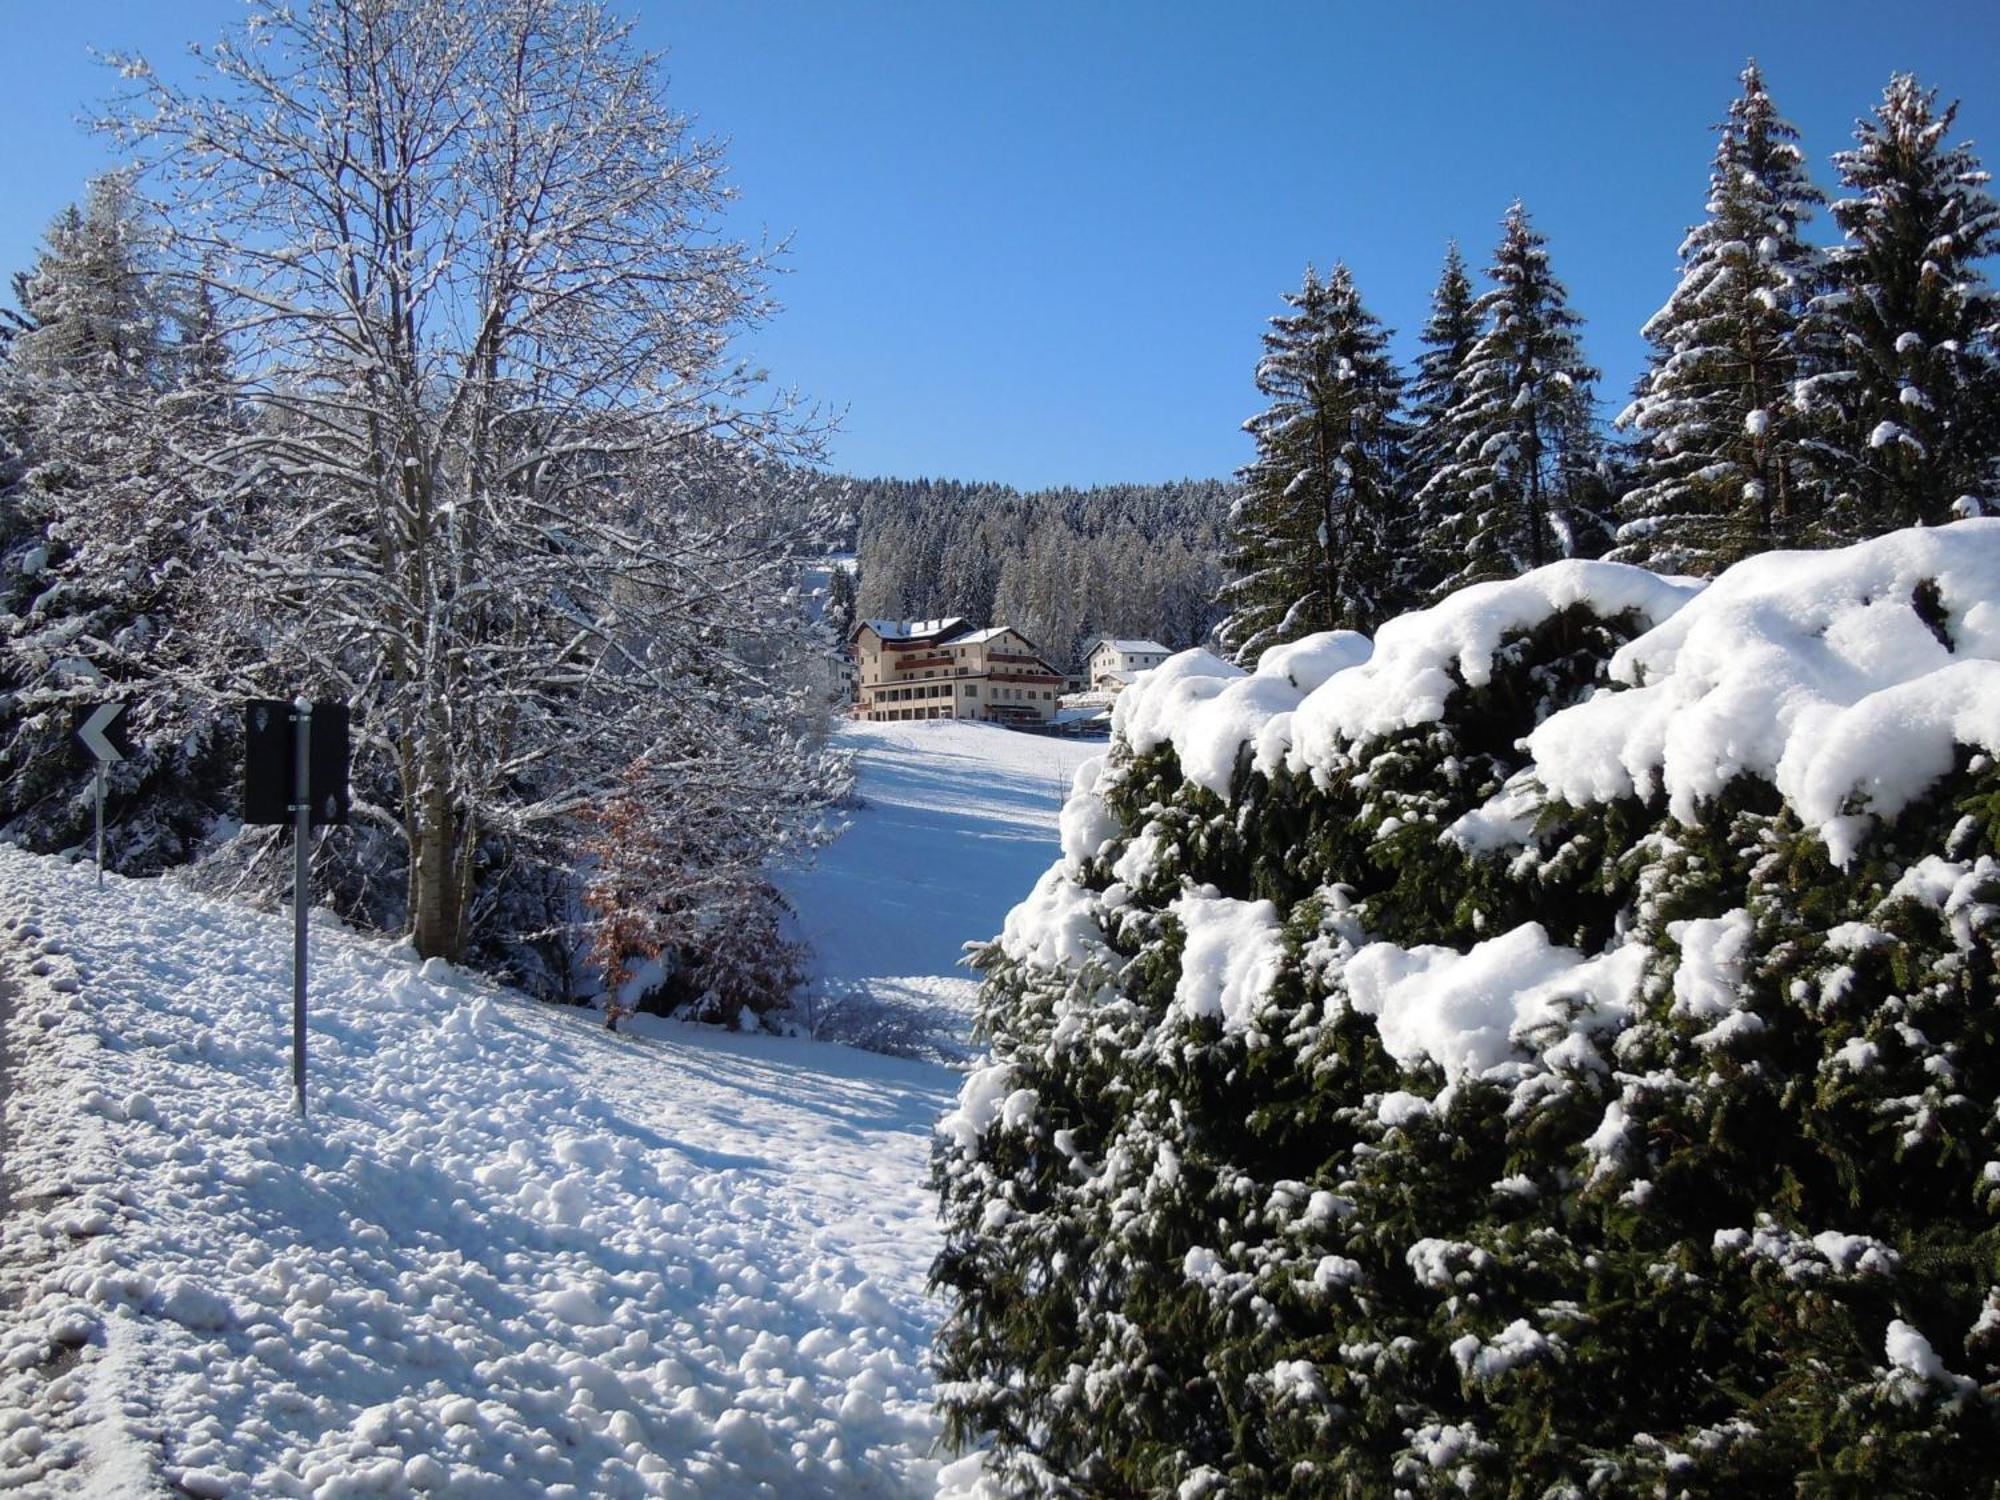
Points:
(1520, 484)
(840, 601)
(1904, 408)
(104, 377)
(1722, 474)
(1310, 545)
(1436, 391)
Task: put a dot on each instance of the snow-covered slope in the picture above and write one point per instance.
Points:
(509, 1253)
(957, 821)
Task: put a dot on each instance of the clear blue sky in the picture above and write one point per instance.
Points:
(1036, 241)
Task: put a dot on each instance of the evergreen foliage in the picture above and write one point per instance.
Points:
(105, 379)
(1311, 536)
(1061, 565)
(1905, 397)
(840, 602)
(1437, 389)
(1521, 485)
(1714, 1217)
(1722, 469)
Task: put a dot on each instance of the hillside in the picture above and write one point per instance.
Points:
(508, 1253)
(957, 821)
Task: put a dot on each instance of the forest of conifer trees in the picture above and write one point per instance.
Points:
(1796, 394)
(1060, 565)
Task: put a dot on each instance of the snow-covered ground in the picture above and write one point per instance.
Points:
(508, 1253)
(958, 822)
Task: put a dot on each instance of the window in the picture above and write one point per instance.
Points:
(972, 690)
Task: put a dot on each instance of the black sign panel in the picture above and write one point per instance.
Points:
(269, 771)
(100, 729)
(327, 769)
(267, 761)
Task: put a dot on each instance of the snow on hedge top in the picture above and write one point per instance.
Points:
(1208, 710)
(1842, 675)
(1308, 697)
(1831, 674)
(1421, 657)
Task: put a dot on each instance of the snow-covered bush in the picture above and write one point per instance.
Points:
(1552, 1052)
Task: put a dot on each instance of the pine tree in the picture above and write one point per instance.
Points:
(1310, 546)
(1904, 408)
(1520, 486)
(1722, 473)
(104, 378)
(840, 601)
(1436, 391)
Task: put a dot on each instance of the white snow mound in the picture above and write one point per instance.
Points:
(1843, 676)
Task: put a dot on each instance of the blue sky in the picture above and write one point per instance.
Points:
(1037, 242)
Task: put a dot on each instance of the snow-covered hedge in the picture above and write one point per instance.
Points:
(1553, 1052)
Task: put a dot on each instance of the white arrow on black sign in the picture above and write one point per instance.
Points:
(93, 732)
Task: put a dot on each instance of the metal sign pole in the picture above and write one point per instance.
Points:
(301, 884)
(100, 731)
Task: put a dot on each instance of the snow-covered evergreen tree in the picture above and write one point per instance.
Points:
(106, 379)
(1722, 474)
(1905, 402)
(1310, 544)
(1437, 389)
(840, 601)
(1520, 484)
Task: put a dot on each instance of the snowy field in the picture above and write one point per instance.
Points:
(510, 1253)
(959, 822)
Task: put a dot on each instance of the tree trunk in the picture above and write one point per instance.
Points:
(437, 877)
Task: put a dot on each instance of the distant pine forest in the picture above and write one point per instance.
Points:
(1059, 565)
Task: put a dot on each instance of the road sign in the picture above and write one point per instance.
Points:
(327, 764)
(101, 728)
(295, 759)
(267, 761)
(270, 762)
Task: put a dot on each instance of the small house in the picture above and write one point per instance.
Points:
(1112, 663)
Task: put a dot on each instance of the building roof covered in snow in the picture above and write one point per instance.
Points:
(991, 632)
(1128, 648)
(915, 630)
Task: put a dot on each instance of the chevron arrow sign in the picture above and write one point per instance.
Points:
(102, 731)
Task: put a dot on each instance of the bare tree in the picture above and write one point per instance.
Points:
(505, 481)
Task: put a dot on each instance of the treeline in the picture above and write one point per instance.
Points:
(1796, 395)
(1060, 565)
